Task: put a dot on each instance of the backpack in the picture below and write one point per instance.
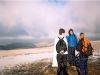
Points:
(89, 50)
(61, 45)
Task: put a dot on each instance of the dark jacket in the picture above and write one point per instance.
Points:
(79, 45)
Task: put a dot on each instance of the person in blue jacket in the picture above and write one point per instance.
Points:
(72, 44)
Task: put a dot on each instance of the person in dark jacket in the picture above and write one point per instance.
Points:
(82, 47)
(72, 44)
(61, 51)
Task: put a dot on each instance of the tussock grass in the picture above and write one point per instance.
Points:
(45, 68)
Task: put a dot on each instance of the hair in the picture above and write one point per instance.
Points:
(61, 30)
(81, 33)
(70, 31)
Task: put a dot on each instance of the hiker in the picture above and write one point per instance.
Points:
(85, 49)
(60, 53)
(72, 44)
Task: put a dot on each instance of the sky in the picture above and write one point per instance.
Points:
(28, 19)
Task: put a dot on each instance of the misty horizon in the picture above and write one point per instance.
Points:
(41, 19)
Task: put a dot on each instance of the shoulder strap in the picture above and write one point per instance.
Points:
(60, 38)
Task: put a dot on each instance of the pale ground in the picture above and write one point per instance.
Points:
(11, 58)
(21, 56)
(15, 52)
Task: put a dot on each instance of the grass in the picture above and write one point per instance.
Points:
(45, 68)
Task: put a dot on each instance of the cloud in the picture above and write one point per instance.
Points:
(43, 18)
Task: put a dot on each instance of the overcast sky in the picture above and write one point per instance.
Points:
(43, 18)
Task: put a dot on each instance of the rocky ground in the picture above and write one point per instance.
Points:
(44, 67)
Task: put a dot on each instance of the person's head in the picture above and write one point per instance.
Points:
(71, 31)
(61, 31)
(82, 35)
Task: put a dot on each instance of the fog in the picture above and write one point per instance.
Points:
(29, 19)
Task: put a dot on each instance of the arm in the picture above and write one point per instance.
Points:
(65, 39)
(79, 46)
(76, 39)
(56, 40)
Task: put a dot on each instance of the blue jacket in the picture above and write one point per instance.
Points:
(72, 40)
